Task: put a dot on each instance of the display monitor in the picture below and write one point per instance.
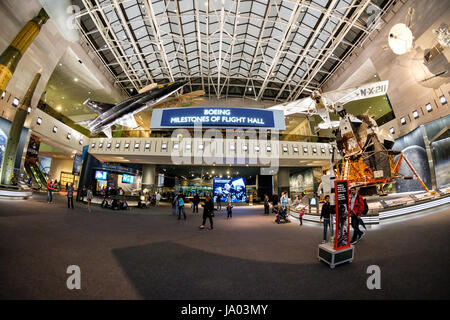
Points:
(101, 175)
(230, 186)
(127, 178)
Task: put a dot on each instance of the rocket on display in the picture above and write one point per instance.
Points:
(123, 112)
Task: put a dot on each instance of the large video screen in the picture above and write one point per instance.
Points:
(127, 178)
(232, 186)
(101, 175)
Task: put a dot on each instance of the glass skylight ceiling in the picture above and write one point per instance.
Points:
(265, 50)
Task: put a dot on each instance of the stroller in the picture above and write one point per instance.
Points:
(282, 216)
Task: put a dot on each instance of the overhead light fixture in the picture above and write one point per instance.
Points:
(322, 150)
(443, 100)
(176, 146)
(80, 142)
(392, 130)
(285, 149)
(305, 149)
(39, 120)
(29, 110)
(55, 128)
(76, 79)
(257, 149)
(296, 149)
(403, 120)
(429, 108)
(15, 102)
(58, 108)
(117, 145)
(314, 150)
(188, 147)
(147, 146)
(415, 114)
(137, 145)
(269, 149)
(244, 148)
(127, 145)
(200, 147)
(100, 145)
(164, 146)
(93, 145)
(3, 94)
(108, 145)
(68, 136)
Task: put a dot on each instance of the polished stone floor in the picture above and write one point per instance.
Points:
(149, 254)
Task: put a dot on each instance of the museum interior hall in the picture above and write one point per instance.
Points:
(224, 150)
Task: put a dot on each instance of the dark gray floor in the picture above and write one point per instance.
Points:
(149, 254)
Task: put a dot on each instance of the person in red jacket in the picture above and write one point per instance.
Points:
(356, 210)
(50, 189)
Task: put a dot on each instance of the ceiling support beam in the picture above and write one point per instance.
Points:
(160, 43)
(334, 45)
(122, 18)
(289, 28)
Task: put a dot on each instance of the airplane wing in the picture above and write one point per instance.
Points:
(98, 107)
(108, 132)
(365, 91)
(303, 106)
(128, 121)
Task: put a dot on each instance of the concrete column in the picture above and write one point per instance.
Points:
(12, 144)
(149, 177)
(283, 180)
(430, 157)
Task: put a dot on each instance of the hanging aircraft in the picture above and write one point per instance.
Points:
(323, 103)
(367, 159)
(123, 112)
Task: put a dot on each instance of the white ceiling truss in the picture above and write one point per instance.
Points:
(276, 50)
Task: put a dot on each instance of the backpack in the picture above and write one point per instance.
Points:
(180, 202)
(366, 208)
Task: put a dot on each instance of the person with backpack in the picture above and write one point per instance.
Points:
(365, 211)
(356, 210)
(180, 202)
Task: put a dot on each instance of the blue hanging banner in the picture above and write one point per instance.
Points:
(218, 118)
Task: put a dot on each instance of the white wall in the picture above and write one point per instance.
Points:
(406, 91)
(58, 166)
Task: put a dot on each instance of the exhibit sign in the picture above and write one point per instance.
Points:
(77, 163)
(342, 235)
(234, 187)
(218, 117)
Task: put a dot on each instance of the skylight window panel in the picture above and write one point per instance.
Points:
(310, 20)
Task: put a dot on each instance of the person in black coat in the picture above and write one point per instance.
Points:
(208, 212)
(326, 215)
(195, 201)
